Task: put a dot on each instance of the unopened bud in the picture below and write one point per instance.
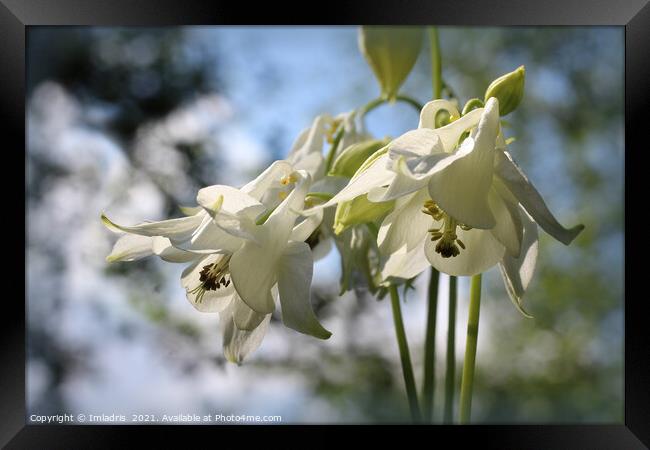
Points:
(508, 89)
(391, 53)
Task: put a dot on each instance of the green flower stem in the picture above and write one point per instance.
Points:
(450, 375)
(436, 63)
(467, 381)
(410, 101)
(407, 368)
(332, 152)
(430, 349)
(380, 101)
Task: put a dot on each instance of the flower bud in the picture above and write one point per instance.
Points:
(391, 53)
(358, 211)
(508, 89)
(350, 159)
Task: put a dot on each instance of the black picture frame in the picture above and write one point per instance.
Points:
(16, 16)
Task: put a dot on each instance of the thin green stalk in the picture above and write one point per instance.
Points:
(380, 101)
(407, 368)
(430, 349)
(450, 375)
(410, 101)
(469, 365)
(436, 62)
(332, 151)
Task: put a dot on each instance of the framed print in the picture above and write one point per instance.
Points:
(415, 216)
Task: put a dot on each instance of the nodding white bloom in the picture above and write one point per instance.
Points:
(244, 255)
(272, 252)
(461, 208)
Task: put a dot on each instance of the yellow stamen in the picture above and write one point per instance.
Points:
(288, 179)
(446, 236)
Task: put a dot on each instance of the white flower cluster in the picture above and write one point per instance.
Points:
(447, 194)
(251, 247)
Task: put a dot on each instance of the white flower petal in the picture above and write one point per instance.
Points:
(210, 238)
(307, 151)
(517, 182)
(376, 175)
(430, 110)
(306, 227)
(268, 179)
(405, 263)
(281, 222)
(253, 272)
(419, 142)
(517, 272)
(450, 133)
(254, 266)
(229, 200)
(481, 252)
(162, 247)
(244, 317)
(406, 226)
(407, 180)
(294, 280)
(131, 247)
(310, 140)
(241, 227)
(238, 344)
(508, 229)
(461, 183)
(177, 230)
(314, 163)
(354, 131)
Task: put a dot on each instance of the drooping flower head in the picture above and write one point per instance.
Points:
(245, 255)
(462, 204)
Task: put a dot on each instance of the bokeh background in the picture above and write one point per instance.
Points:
(133, 121)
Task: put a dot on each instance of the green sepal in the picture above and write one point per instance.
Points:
(359, 211)
(350, 159)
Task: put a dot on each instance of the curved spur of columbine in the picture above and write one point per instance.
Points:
(153, 238)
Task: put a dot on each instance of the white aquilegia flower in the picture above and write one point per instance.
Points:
(461, 208)
(271, 253)
(220, 236)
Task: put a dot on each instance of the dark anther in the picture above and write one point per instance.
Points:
(447, 249)
(212, 282)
